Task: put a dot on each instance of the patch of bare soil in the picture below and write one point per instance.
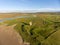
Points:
(8, 36)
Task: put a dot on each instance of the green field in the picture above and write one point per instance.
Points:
(44, 29)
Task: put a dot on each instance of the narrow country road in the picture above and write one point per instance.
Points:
(8, 36)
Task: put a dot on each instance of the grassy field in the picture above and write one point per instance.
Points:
(38, 29)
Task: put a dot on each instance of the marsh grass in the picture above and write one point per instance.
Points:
(40, 31)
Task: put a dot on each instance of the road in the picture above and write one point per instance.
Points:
(8, 36)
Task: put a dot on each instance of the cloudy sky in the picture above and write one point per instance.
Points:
(21, 5)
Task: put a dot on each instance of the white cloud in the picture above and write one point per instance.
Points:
(33, 10)
(41, 10)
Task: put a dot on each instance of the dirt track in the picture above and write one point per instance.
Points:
(8, 36)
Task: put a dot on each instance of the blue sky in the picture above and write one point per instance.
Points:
(21, 5)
